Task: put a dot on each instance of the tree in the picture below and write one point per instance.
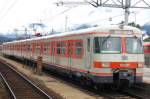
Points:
(134, 25)
(147, 39)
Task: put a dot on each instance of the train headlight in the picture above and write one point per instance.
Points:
(140, 65)
(105, 64)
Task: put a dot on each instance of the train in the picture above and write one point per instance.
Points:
(103, 55)
(0, 48)
(147, 53)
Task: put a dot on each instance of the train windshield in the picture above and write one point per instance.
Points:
(107, 44)
(134, 45)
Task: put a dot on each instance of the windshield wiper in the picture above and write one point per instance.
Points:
(138, 40)
(106, 39)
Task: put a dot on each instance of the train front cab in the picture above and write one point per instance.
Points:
(118, 58)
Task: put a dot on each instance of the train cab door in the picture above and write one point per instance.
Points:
(88, 56)
(70, 53)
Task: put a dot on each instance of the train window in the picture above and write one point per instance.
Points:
(78, 48)
(97, 45)
(134, 45)
(107, 45)
(58, 48)
(37, 48)
(88, 44)
(17, 47)
(146, 47)
(46, 48)
(63, 48)
(28, 47)
(70, 48)
(52, 51)
(24, 47)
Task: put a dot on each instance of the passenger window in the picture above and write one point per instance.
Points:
(78, 46)
(53, 48)
(70, 48)
(28, 48)
(88, 44)
(38, 47)
(58, 48)
(46, 48)
(63, 48)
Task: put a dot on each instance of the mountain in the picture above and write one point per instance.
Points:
(81, 26)
(146, 28)
(147, 39)
(5, 39)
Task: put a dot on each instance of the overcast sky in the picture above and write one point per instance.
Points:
(19, 13)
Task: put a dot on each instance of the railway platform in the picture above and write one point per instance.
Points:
(146, 77)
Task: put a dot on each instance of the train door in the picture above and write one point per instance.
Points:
(53, 51)
(88, 53)
(33, 50)
(70, 53)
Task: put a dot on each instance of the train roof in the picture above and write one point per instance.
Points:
(83, 31)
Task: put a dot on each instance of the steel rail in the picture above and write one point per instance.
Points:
(25, 78)
(8, 86)
(133, 94)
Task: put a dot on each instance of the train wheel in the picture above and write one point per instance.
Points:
(100, 87)
(82, 82)
(96, 87)
(120, 85)
(116, 85)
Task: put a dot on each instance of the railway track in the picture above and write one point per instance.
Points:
(10, 94)
(3, 89)
(19, 86)
(141, 91)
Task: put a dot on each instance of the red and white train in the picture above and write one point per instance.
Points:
(147, 53)
(99, 55)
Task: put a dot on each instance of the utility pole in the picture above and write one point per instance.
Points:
(124, 4)
(25, 33)
(134, 16)
(66, 22)
(16, 32)
(127, 12)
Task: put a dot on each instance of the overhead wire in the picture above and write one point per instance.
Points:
(112, 17)
(8, 10)
(4, 6)
(61, 13)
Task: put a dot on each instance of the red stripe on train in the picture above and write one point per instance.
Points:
(116, 64)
